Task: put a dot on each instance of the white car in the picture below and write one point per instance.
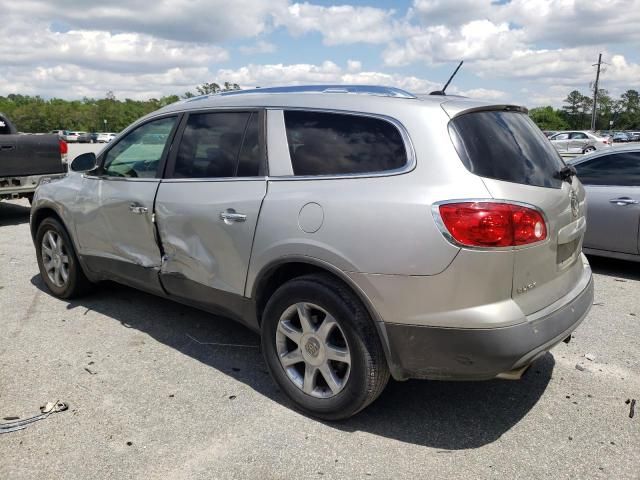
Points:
(578, 141)
(71, 137)
(105, 137)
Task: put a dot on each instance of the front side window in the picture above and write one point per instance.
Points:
(338, 144)
(615, 169)
(219, 145)
(138, 154)
(560, 136)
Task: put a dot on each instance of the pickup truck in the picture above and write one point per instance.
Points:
(25, 159)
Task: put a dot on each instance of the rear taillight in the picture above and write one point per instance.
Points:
(492, 224)
(64, 148)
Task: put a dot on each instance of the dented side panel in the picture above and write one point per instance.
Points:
(107, 225)
(199, 245)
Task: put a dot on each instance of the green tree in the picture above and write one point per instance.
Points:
(547, 118)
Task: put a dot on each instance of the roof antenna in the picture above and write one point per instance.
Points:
(441, 92)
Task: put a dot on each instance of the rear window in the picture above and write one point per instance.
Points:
(505, 146)
(338, 144)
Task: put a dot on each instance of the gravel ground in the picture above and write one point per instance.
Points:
(152, 394)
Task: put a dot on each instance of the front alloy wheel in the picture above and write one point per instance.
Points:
(55, 258)
(313, 350)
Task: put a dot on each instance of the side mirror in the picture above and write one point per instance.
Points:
(84, 163)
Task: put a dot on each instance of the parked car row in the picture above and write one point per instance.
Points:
(70, 136)
(578, 141)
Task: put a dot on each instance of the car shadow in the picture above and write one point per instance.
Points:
(615, 268)
(13, 213)
(437, 414)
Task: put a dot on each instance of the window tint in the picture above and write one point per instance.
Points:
(336, 144)
(505, 146)
(210, 145)
(250, 154)
(138, 153)
(615, 169)
(579, 136)
(560, 136)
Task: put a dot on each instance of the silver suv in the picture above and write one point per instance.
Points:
(362, 231)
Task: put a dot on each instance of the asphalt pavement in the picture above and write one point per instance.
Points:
(159, 390)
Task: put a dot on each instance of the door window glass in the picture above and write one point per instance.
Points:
(250, 159)
(138, 154)
(579, 136)
(338, 144)
(211, 145)
(560, 136)
(615, 169)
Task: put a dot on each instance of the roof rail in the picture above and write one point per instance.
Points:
(353, 89)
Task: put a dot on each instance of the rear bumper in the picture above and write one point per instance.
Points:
(482, 353)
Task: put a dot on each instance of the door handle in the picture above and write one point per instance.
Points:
(230, 216)
(138, 209)
(622, 201)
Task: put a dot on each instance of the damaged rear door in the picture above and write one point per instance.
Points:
(116, 229)
(208, 205)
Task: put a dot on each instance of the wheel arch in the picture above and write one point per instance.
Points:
(42, 213)
(278, 272)
(47, 211)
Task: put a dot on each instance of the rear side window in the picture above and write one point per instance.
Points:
(505, 146)
(338, 144)
(218, 145)
(616, 169)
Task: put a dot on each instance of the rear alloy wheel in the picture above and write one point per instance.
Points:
(313, 350)
(589, 149)
(322, 347)
(57, 260)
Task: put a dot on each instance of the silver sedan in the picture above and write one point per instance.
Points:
(612, 181)
(578, 141)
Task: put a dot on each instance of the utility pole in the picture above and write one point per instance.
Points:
(595, 94)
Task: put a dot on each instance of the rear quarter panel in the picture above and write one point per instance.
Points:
(377, 225)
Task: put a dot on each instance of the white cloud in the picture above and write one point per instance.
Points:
(325, 73)
(72, 81)
(441, 12)
(471, 41)
(338, 24)
(181, 20)
(354, 66)
(260, 47)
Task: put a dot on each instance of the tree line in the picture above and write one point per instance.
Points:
(576, 112)
(33, 114)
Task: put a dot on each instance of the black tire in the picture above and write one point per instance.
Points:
(369, 372)
(76, 283)
(589, 150)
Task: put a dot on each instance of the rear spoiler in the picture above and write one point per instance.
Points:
(456, 108)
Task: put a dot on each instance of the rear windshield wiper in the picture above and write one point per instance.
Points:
(566, 172)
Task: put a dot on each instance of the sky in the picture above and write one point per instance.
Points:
(528, 52)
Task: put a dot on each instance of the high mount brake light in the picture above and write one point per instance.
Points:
(492, 224)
